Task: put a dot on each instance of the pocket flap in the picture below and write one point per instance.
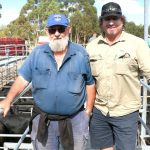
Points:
(95, 58)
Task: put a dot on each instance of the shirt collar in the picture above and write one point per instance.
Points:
(120, 39)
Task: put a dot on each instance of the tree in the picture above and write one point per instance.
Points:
(37, 14)
(82, 14)
(83, 23)
(33, 15)
(132, 28)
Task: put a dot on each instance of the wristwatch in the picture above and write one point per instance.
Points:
(88, 112)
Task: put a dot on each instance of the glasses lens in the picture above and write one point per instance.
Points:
(115, 18)
(51, 30)
(60, 29)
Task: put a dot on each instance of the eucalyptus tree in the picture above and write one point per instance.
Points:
(37, 12)
(134, 29)
(82, 15)
(33, 15)
(83, 18)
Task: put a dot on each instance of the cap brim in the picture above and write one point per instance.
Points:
(107, 15)
(57, 24)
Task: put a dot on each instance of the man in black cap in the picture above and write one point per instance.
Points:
(116, 58)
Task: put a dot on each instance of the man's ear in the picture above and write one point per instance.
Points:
(46, 31)
(70, 30)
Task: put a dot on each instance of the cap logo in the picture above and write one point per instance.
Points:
(111, 9)
(57, 18)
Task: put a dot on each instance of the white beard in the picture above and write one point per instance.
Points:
(59, 45)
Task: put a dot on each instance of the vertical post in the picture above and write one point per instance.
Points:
(146, 13)
(37, 20)
(0, 8)
(144, 112)
(7, 65)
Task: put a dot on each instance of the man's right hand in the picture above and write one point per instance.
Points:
(5, 107)
(17, 87)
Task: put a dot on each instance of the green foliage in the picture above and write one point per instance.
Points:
(83, 23)
(132, 28)
(32, 19)
(82, 14)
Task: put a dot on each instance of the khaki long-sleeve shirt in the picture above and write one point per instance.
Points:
(117, 69)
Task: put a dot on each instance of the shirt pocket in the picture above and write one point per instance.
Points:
(75, 82)
(96, 63)
(41, 78)
(125, 64)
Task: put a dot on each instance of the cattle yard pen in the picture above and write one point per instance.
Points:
(8, 68)
(11, 58)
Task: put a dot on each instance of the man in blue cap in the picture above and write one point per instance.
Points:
(61, 84)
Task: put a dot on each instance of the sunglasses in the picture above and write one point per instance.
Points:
(114, 18)
(60, 29)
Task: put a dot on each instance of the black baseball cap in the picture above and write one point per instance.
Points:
(111, 9)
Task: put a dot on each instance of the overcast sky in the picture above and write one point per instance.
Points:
(132, 9)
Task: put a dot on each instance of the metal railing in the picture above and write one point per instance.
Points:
(14, 50)
(140, 119)
(144, 131)
(8, 68)
(10, 62)
(24, 135)
(27, 129)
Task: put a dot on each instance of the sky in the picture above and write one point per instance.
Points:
(10, 10)
(132, 9)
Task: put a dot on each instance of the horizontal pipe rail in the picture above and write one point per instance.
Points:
(145, 85)
(145, 126)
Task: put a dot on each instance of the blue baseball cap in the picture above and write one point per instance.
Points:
(57, 19)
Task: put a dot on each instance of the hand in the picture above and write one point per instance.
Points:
(4, 107)
(1, 110)
(89, 113)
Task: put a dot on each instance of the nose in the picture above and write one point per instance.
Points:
(111, 22)
(57, 33)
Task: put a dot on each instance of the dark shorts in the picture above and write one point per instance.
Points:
(106, 131)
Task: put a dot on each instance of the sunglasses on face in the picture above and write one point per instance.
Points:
(114, 18)
(60, 29)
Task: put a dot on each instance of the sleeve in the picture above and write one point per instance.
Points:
(87, 70)
(26, 69)
(143, 55)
